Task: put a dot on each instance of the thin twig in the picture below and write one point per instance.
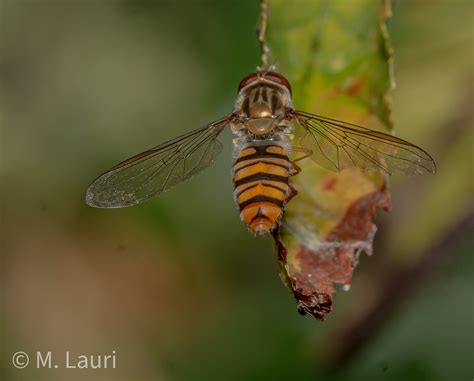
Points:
(262, 33)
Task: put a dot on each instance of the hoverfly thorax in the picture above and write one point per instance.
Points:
(261, 104)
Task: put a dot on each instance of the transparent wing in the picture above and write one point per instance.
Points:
(337, 145)
(154, 171)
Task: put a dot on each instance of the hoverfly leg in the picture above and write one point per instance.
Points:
(292, 192)
(294, 169)
(304, 151)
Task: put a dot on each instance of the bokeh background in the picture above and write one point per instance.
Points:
(177, 286)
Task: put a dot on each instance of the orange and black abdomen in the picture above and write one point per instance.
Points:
(261, 183)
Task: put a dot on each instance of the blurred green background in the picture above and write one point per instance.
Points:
(177, 286)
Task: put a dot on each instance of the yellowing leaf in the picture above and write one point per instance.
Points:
(338, 57)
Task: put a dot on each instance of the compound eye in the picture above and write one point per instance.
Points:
(278, 78)
(248, 79)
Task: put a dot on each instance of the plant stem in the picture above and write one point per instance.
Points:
(262, 34)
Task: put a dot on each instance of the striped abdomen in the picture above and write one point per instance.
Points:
(261, 183)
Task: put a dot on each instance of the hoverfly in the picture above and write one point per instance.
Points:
(264, 123)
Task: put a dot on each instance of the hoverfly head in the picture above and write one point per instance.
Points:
(269, 76)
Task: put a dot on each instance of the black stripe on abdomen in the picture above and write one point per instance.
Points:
(261, 176)
(256, 185)
(263, 161)
(261, 198)
(261, 152)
